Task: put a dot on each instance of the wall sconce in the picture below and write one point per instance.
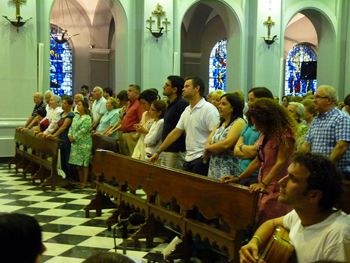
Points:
(19, 21)
(269, 40)
(158, 13)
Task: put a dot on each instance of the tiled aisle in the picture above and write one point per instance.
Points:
(67, 234)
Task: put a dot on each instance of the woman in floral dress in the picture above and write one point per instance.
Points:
(81, 142)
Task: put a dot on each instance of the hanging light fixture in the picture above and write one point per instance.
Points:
(19, 21)
(60, 33)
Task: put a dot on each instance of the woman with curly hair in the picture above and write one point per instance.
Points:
(275, 147)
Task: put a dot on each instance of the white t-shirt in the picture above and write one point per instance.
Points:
(98, 109)
(328, 240)
(198, 122)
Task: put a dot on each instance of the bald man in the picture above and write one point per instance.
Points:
(39, 106)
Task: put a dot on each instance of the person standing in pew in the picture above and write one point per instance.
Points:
(85, 91)
(61, 133)
(77, 97)
(329, 133)
(246, 147)
(40, 112)
(109, 118)
(222, 139)
(98, 107)
(276, 145)
(318, 231)
(133, 114)
(49, 124)
(39, 105)
(173, 156)
(81, 142)
(197, 121)
(153, 137)
(147, 97)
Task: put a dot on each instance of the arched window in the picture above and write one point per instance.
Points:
(217, 66)
(301, 67)
(60, 67)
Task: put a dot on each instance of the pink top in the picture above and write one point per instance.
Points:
(269, 207)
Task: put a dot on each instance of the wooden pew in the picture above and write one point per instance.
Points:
(105, 143)
(119, 176)
(20, 149)
(39, 156)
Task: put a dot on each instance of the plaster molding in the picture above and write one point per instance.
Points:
(192, 54)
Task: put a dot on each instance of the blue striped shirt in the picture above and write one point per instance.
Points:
(326, 130)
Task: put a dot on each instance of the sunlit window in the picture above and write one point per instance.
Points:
(217, 66)
(301, 68)
(60, 67)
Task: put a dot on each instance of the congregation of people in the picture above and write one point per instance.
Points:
(295, 153)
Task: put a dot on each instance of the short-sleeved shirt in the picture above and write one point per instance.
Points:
(64, 134)
(38, 107)
(326, 130)
(250, 136)
(98, 109)
(108, 119)
(326, 241)
(171, 118)
(197, 122)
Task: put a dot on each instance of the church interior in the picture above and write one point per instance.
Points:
(288, 46)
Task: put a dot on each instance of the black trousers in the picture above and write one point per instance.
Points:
(197, 166)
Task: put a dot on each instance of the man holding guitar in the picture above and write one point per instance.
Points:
(318, 232)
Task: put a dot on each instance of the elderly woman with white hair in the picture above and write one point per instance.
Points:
(297, 111)
(49, 124)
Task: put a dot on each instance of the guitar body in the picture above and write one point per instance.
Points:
(278, 249)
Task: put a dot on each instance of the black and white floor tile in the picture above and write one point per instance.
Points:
(67, 234)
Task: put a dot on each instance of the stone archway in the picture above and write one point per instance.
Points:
(327, 66)
(71, 15)
(203, 25)
(300, 46)
(95, 57)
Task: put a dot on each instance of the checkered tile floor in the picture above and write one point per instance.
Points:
(67, 234)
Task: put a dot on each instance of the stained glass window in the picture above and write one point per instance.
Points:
(217, 66)
(60, 67)
(298, 83)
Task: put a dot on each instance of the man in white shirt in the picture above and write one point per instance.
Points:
(98, 107)
(197, 121)
(318, 232)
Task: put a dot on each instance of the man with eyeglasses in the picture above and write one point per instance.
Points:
(329, 133)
